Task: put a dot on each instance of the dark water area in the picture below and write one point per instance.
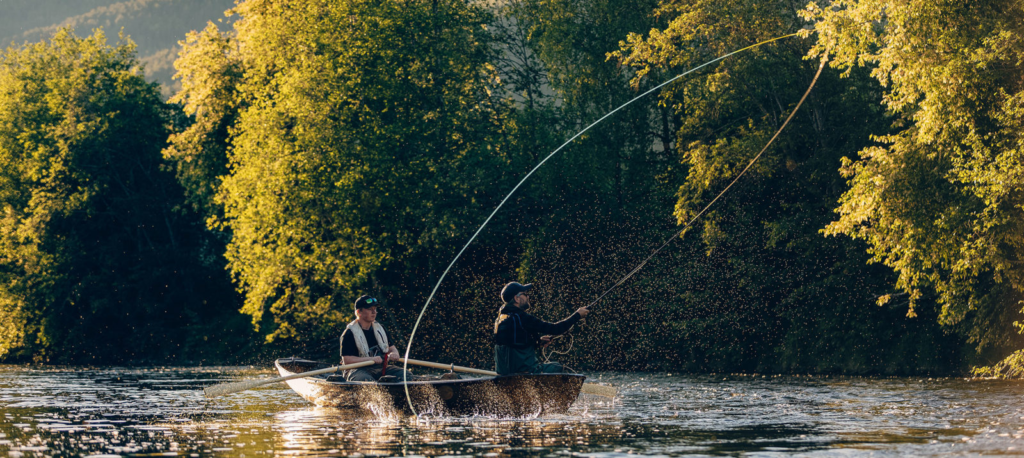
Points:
(161, 412)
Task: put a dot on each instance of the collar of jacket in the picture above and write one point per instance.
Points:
(510, 309)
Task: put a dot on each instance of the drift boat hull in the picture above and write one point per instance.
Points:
(526, 395)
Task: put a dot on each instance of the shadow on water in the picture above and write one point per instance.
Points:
(79, 411)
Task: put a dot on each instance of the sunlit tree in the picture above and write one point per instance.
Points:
(359, 137)
(939, 199)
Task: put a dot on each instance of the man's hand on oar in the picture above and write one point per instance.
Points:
(234, 387)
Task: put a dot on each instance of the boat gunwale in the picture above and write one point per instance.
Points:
(466, 381)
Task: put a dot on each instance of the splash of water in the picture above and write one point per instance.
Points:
(412, 335)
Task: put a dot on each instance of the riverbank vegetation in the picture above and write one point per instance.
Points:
(323, 149)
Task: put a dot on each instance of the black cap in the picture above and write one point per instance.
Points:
(365, 302)
(510, 290)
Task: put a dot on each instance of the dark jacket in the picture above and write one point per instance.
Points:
(516, 335)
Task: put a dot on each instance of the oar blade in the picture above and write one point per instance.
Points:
(599, 390)
(233, 387)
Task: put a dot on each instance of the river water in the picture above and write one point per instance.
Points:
(118, 411)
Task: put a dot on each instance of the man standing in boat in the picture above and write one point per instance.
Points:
(517, 333)
(365, 340)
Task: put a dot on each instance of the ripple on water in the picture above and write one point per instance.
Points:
(120, 411)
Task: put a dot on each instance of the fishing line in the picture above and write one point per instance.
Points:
(544, 350)
(408, 347)
(692, 220)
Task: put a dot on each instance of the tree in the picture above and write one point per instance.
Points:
(210, 74)
(939, 198)
(363, 146)
(769, 294)
(96, 264)
(598, 208)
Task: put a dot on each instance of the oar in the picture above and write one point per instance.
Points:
(588, 388)
(234, 387)
(450, 367)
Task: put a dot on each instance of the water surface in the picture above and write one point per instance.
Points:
(118, 411)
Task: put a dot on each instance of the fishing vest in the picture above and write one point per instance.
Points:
(509, 330)
(360, 337)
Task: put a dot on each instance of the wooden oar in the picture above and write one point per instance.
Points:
(450, 367)
(234, 387)
(587, 388)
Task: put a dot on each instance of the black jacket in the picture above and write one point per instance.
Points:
(516, 328)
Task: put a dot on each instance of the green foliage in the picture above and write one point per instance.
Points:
(366, 140)
(96, 266)
(939, 199)
(1010, 367)
(342, 147)
(365, 134)
(209, 74)
(763, 291)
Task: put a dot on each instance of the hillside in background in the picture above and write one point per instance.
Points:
(156, 26)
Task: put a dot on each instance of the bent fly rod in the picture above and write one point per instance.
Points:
(440, 280)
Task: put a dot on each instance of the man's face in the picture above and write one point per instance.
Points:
(368, 314)
(523, 300)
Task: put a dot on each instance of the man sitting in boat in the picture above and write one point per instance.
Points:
(365, 340)
(517, 333)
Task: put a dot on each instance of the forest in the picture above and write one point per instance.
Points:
(318, 150)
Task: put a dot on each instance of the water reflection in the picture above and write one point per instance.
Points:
(75, 411)
(313, 430)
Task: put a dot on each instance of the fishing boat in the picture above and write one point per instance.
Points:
(524, 395)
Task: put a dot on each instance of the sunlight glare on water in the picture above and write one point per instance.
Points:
(84, 411)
